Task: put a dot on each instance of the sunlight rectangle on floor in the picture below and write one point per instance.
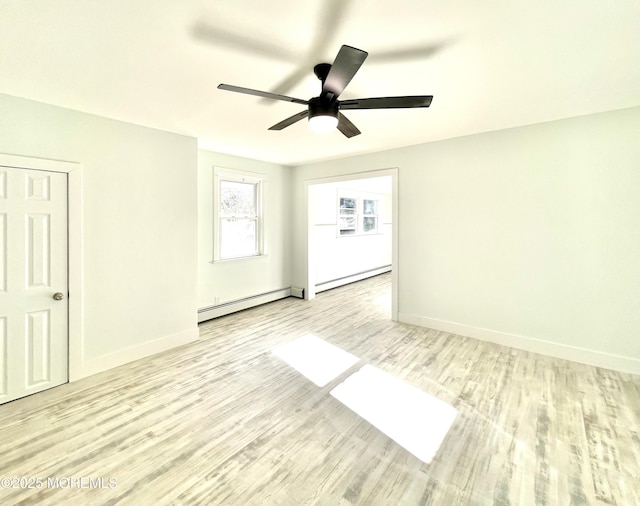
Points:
(414, 419)
(315, 358)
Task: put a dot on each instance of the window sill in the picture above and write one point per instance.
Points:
(370, 234)
(239, 259)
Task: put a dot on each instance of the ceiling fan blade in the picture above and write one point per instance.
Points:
(387, 102)
(346, 127)
(218, 36)
(290, 121)
(344, 67)
(265, 94)
(406, 53)
(330, 17)
(289, 82)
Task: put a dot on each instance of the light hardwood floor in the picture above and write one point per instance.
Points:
(224, 421)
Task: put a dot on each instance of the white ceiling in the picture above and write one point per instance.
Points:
(490, 65)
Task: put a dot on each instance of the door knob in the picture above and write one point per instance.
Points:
(58, 296)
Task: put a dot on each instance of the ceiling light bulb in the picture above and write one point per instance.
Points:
(323, 123)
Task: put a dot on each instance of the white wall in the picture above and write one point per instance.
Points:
(230, 280)
(528, 236)
(139, 226)
(338, 257)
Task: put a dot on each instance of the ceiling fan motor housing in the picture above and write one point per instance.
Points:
(321, 70)
(322, 107)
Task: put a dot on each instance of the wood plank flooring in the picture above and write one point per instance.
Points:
(224, 422)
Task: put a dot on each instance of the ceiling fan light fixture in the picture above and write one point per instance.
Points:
(323, 123)
(323, 116)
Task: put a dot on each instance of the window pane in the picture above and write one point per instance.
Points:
(347, 222)
(347, 212)
(347, 225)
(346, 203)
(369, 206)
(238, 238)
(369, 224)
(237, 199)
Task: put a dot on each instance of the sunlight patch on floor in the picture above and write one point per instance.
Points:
(414, 419)
(315, 358)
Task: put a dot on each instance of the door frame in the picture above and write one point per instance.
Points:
(309, 224)
(74, 250)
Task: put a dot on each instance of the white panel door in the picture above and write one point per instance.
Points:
(33, 281)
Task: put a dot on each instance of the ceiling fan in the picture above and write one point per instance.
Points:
(323, 111)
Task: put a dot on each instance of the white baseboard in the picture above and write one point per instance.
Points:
(297, 292)
(551, 349)
(126, 355)
(328, 285)
(210, 312)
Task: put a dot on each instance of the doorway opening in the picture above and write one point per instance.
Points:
(352, 224)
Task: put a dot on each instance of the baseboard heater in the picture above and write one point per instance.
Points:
(351, 278)
(207, 313)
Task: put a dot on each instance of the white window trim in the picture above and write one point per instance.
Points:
(238, 177)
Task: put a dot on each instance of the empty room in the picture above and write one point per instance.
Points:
(330, 252)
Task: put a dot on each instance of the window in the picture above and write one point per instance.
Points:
(237, 216)
(369, 216)
(348, 218)
(357, 216)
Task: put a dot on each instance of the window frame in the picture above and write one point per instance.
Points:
(220, 176)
